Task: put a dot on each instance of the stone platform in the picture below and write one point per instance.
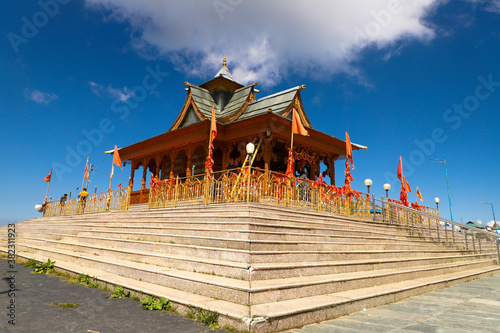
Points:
(263, 268)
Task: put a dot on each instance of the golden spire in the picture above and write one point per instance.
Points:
(224, 62)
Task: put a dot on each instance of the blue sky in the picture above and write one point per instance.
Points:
(418, 79)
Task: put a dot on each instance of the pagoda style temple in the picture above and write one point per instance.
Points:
(241, 118)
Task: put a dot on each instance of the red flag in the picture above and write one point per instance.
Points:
(116, 158)
(297, 127)
(153, 181)
(213, 126)
(348, 148)
(406, 185)
(404, 196)
(290, 169)
(47, 178)
(400, 170)
(419, 195)
(86, 175)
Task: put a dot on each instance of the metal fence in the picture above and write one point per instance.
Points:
(427, 222)
(99, 202)
(256, 186)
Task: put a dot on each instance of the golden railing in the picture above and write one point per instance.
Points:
(98, 202)
(258, 186)
(427, 222)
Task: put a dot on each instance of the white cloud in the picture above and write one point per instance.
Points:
(116, 93)
(96, 88)
(40, 97)
(492, 224)
(267, 40)
(120, 94)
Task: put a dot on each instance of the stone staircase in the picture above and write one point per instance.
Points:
(263, 268)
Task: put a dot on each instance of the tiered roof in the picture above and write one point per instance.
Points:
(234, 102)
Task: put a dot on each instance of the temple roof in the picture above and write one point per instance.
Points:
(224, 72)
(234, 101)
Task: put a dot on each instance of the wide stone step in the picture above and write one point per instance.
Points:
(260, 224)
(266, 271)
(232, 255)
(279, 316)
(235, 269)
(264, 226)
(148, 233)
(157, 243)
(266, 291)
(231, 314)
(255, 292)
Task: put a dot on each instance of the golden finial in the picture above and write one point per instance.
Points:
(224, 62)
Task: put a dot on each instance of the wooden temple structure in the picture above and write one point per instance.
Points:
(241, 118)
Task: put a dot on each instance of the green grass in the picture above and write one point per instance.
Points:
(30, 263)
(119, 292)
(67, 305)
(44, 267)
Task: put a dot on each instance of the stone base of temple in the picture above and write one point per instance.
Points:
(262, 268)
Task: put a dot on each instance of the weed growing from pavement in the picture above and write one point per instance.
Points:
(119, 292)
(30, 263)
(150, 303)
(207, 317)
(66, 305)
(230, 329)
(85, 280)
(44, 267)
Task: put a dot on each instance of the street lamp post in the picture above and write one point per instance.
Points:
(494, 220)
(387, 187)
(442, 160)
(436, 199)
(368, 183)
(250, 149)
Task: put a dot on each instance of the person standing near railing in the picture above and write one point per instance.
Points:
(62, 203)
(83, 199)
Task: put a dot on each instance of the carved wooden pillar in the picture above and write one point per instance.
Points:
(158, 166)
(189, 154)
(268, 153)
(226, 151)
(172, 165)
(330, 171)
(144, 172)
(314, 169)
(131, 179)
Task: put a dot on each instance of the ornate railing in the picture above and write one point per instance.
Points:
(98, 202)
(427, 222)
(256, 186)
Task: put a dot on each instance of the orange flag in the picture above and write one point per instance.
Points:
(86, 175)
(116, 158)
(406, 185)
(348, 148)
(419, 195)
(48, 177)
(297, 127)
(400, 170)
(213, 126)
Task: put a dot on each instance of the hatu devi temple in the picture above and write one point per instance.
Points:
(236, 226)
(241, 118)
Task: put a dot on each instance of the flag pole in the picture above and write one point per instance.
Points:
(47, 194)
(83, 181)
(111, 176)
